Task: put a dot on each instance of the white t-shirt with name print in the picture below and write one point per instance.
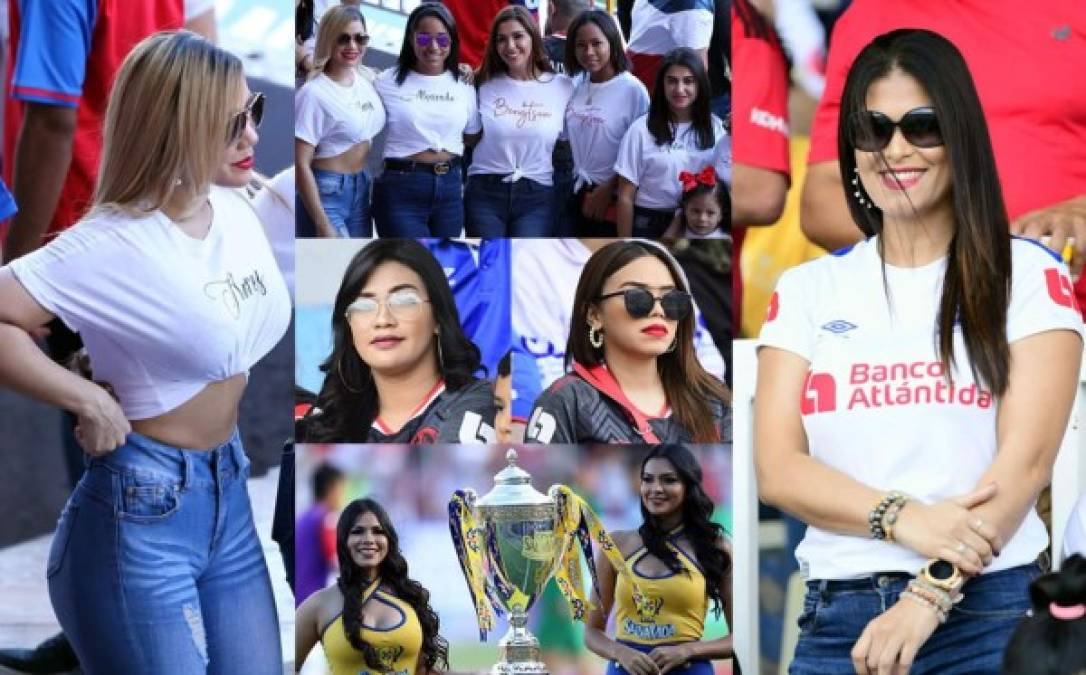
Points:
(333, 117)
(598, 116)
(521, 121)
(876, 404)
(426, 112)
(163, 314)
(655, 169)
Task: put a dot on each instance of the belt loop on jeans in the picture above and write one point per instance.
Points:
(186, 469)
(824, 589)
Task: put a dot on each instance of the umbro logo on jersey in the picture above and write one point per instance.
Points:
(1062, 33)
(839, 326)
(819, 394)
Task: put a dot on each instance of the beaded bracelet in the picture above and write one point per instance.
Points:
(924, 602)
(935, 596)
(874, 519)
(890, 518)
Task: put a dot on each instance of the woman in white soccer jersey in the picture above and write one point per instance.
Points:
(913, 390)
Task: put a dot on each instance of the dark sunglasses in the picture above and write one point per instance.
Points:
(254, 111)
(639, 302)
(424, 40)
(871, 131)
(361, 39)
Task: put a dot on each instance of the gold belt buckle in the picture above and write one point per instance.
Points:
(441, 168)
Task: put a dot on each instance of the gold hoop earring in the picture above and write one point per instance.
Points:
(595, 337)
(339, 370)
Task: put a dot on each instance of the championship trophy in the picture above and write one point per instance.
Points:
(510, 542)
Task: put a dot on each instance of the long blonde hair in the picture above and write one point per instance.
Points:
(167, 121)
(333, 23)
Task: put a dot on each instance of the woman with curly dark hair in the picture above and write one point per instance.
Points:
(635, 375)
(401, 369)
(376, 619)
(679, 566)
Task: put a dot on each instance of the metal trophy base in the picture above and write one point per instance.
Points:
(518, 654)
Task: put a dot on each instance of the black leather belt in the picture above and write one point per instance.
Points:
(439, 169)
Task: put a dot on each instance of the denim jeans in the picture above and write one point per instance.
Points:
(156, 567)
(651, 223)
(415, 204)
(345, 198)
(563, 190)
(971, 641)
(496, 209)
(698, 667)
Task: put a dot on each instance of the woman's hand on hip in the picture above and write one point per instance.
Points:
(101, 426)
(670, 657)
(950, 531)
(633, 661)
(890, 641)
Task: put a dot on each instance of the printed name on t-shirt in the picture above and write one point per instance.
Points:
(363, 107)
(528, 112)
(876, 385)
(589, 117)
(233, 292)
(443, 97)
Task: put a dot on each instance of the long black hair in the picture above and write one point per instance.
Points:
(687, 384)
(704, 535)
(1044, 644)
(701, 117)
(348, 400)
(407, 61)
(976, 287)
(394, 575)
(607, 26)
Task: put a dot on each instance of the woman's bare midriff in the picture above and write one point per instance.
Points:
(352, 160)
(432, 156)
(203, 422)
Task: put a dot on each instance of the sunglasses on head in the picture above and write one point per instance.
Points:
(424, 40)
(254, 111)
(871, 131)
(640, 301)
(361, 39)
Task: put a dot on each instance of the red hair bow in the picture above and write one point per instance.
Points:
(707, 176)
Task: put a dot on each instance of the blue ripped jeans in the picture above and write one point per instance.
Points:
(156, 567)
(345, 199)
(971, 642)
(695, 667)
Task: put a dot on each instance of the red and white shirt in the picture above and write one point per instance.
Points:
(876, 404)
(658, 26)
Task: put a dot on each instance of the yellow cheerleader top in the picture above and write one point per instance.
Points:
(397, 647)
(669, 608)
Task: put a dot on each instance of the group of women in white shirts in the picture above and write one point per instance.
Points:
(629, 148)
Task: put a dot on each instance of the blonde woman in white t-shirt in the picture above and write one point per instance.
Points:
(913, 390)
(337, 113)
(155, 566)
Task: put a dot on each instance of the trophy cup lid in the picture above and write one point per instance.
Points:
(513, 486)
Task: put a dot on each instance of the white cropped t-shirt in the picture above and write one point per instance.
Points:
(333, 117)
(426, 112)
(162, 314)
(521, 121)
(598, 116)
(876, 405)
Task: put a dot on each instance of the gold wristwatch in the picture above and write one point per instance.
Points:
(943, 575)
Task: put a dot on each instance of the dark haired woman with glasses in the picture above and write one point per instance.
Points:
(401, 369)
(420, 190)
(678, 134)
(606, 101)
(336, 116)
(635, 375)
(913, 389)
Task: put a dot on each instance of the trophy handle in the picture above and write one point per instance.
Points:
(470, 497)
